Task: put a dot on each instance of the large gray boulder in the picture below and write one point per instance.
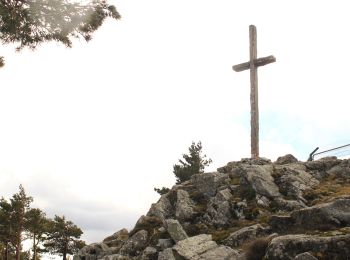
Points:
(280, 223)
(219, 253)
(148, 223)
(233, 167)
(164, 243)
(184, 206)
(192, 247)
(149, 253)
(324, 216)
(255, 161)
(135, 244)
(288, 205)
(289, 246)
(341, 170)
(286, 159)
(110, 251)
(259, 177)
(175, 230)
(166, 254)
(208, 183)
(293, 179)
(162, 209)
(323, 164)
(243, 235)
(219, 209)
(251, 189)
(94, 249)
(117, 239)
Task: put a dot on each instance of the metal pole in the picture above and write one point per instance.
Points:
(311, 156)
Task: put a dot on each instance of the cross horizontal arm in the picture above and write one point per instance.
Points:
(258, 62)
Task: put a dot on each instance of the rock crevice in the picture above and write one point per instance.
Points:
(287, 209)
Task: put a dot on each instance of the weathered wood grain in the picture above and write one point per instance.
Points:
(253, 65)
(258, 63)
(254, 99)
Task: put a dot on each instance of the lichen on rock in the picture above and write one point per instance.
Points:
(290, 209)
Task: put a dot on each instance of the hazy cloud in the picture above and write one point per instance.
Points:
(90, 131)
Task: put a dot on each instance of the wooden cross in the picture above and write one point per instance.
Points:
(253, 65)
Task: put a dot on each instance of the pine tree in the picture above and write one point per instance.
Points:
(194, 163)
(30, 23)
(36, 226)
(20, 203)
(63, 237)
(6, 234)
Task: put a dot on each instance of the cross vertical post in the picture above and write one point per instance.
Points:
(254, 99)
(253, 65)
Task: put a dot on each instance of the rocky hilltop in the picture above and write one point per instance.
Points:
(251, 209)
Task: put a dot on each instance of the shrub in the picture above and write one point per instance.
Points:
(194, 163)
(162, 191)
(256, 249)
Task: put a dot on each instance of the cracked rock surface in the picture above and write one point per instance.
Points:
(286, 209)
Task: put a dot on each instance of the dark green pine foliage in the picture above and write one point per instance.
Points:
(63, 237)
(6, 234)
(193, 163)
(31, 22)
(36, 226)
(20, 204)
(162, 191)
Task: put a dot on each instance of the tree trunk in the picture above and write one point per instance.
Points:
(18, 247)
(34, 247)
(7, 251)
(19, 236)
(18, 253)
(65, 249)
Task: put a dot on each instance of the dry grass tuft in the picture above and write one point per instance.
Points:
(256, 249)
(327, 191)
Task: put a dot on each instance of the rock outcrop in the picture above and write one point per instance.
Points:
(324, 216)
(117, 239)
(290, 246)
(175, 230)
(251, 209)
(246, 234)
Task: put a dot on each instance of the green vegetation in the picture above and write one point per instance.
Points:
(63, 237)
(19, 222)
(193, 163)
(37, 227)
(162, 191)
(13, 217)
(30, 23)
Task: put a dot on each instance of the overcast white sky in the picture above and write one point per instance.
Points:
(89, 131)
